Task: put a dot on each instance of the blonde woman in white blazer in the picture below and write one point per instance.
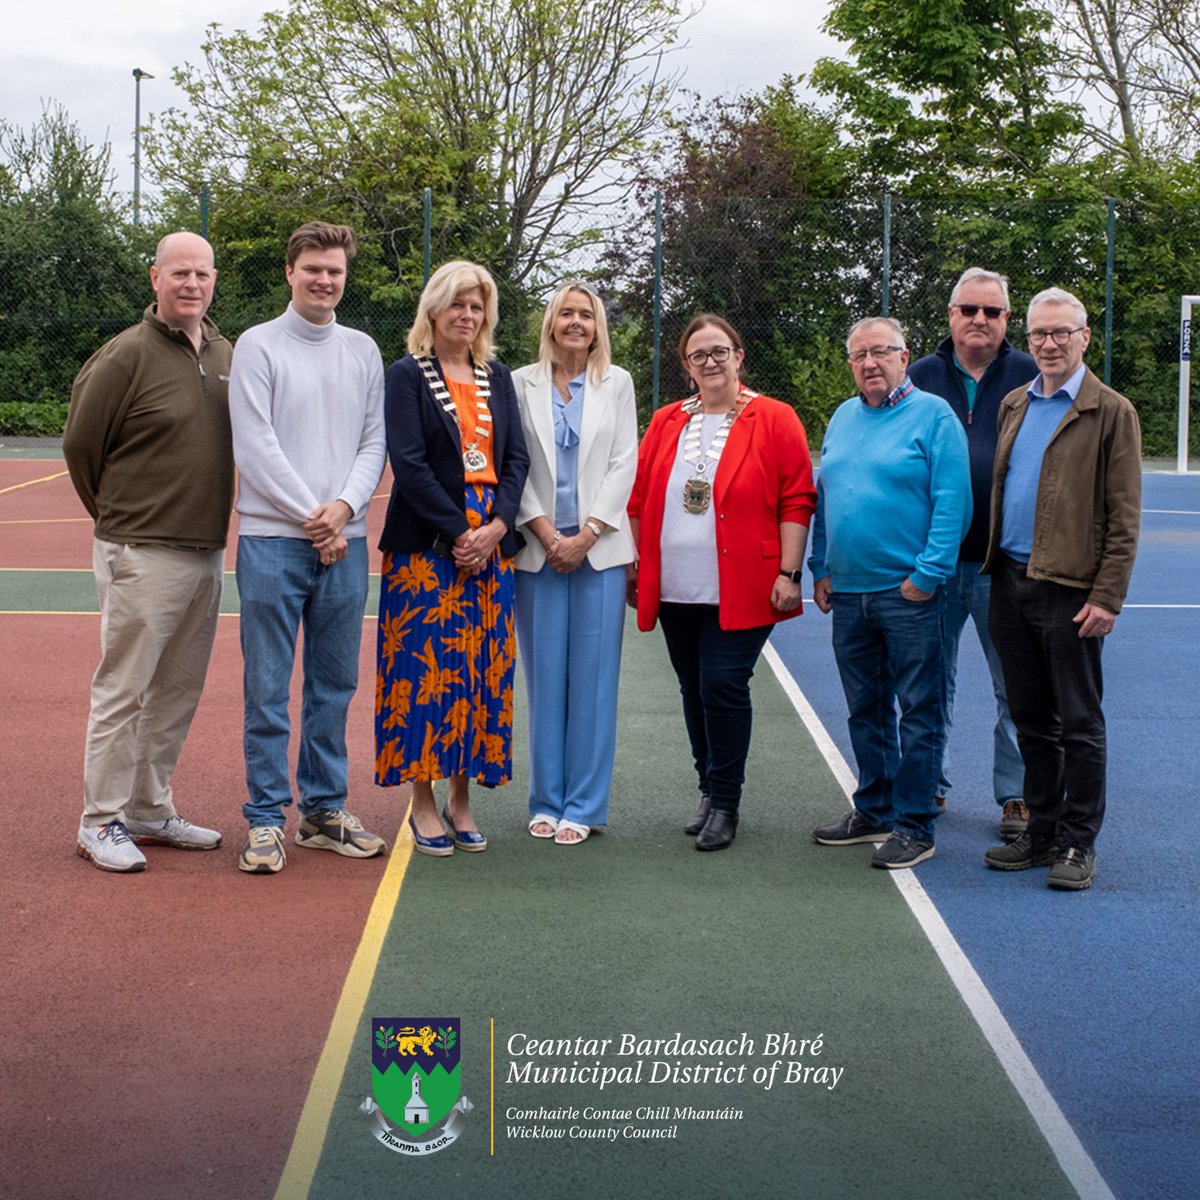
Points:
(580, 422)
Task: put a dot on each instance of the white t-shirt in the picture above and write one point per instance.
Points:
(689, 540)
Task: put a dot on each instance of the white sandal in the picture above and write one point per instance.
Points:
(543, 819)
(574, 827)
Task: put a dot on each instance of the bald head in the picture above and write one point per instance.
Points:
(183, 277)
(181, 242)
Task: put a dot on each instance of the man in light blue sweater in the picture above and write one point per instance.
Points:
(306, 405)
(893, 504)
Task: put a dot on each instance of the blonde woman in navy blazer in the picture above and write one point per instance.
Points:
(580, 421)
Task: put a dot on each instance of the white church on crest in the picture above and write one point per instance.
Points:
(416, 1111)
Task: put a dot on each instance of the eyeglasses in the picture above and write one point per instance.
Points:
(858, 356)
(989, 310)
(1037, 337)
(718, 354)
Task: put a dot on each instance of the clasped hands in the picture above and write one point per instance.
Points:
(474, 547)
(324, 529)
(565, 554)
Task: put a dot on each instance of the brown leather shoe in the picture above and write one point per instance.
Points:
(1014, 817)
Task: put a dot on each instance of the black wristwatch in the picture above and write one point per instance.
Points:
(794, 576)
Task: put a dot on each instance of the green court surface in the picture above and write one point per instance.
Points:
(635, 933)
(49, 591)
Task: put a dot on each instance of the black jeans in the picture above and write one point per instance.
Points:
(714, 667)
(1055, 688)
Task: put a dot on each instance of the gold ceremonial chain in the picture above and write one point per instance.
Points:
(474, 459)
(697, 491)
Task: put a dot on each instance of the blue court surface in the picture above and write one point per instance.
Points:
(1099, 987)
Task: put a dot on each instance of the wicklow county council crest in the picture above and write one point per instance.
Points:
(415, 1083)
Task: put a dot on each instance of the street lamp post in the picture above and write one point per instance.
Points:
(138, 76)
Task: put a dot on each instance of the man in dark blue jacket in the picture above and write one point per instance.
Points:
(973, 370)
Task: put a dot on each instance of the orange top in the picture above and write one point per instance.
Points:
(466, 400)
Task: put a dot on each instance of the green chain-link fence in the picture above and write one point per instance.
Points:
(791, 275)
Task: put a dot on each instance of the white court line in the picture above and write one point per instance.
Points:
(1061, 1138)
(1174, 512)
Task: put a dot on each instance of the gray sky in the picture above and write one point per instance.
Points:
(82, 54)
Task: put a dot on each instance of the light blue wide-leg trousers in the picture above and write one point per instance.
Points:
(569, 628)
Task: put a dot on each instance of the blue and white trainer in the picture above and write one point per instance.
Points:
(109, 847)
(174, 831)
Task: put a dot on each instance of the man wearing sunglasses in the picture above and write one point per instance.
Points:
(1065, 509)
(973, 370)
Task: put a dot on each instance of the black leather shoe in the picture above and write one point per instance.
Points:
(718, 830)
(696, 824)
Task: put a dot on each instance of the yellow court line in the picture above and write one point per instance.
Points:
(305, 1154)
(49, 521)
(49, 612)
(15, 487)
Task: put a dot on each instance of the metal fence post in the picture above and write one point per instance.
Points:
(887, 253)
(1108, 290)
(658, 198)
(428, 232)
(204, 211)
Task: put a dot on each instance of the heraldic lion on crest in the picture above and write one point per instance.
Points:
(408, 1040)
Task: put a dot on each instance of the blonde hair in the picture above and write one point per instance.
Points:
(449, 281)
(599, 353)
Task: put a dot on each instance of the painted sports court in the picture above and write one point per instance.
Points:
(193, 1031)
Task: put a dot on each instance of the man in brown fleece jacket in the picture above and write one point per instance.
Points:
(149, 450)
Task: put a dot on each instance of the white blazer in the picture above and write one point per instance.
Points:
(608, 445)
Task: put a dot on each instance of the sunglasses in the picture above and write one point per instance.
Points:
(989, 310)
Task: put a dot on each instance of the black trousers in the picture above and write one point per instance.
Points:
(714, 667)
(1055, 688)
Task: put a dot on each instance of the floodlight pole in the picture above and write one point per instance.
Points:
(1185, 377)
(138, 76)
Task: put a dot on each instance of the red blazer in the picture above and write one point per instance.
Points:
(764, 477)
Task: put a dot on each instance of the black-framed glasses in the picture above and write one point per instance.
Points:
(1037, 337)
(989, 310)
(718, 354)
(858, 356)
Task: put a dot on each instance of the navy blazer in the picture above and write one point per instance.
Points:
(425, 449)
(937, 373)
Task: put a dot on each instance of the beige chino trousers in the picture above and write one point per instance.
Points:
(158, 619)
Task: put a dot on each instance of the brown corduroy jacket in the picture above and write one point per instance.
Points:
(1089, 498)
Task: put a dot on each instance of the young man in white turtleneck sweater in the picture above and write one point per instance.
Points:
(306, 405)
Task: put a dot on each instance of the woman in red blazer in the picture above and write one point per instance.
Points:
(720, 513)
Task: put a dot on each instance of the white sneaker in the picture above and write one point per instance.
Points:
(263, 853)
(175, 831)
(109, 848)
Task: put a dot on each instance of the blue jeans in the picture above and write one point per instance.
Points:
(968, 594)
(888, 652)
(714, 667)
(283, 586)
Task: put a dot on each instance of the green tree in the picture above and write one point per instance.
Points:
(72, 270)
(948, 93)
(519, 114)
(764, 222)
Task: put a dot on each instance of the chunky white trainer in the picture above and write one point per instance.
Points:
(175, 831)
(263, 852)
(335, 829)
(109, 847)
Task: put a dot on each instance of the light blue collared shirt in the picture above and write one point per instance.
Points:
(568, 417)
(1042, 418)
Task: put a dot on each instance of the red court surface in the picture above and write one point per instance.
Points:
(160, 1028)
